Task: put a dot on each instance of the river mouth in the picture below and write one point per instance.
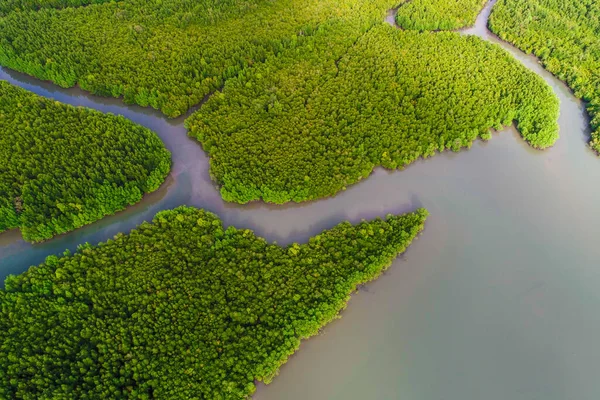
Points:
(497, 300)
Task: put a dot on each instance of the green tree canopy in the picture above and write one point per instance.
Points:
(166, 54)
(308, 122)
(181, 308)
(431, 15)
(565, 36)
(64, 167)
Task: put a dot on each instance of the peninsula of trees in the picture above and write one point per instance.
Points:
(307, 123)
(565, 36)
(181, 308)
(432, 15)
(308, 96)
(64, 167)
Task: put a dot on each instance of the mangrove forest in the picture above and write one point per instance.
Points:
(432, 15)
(182, 308)
(64, 167)
(307, 123)
(302, 98)
(565, 36)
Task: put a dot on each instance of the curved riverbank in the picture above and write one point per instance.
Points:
(498, 297)
(501, 308)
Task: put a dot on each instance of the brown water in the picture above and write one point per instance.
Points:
(498, 300)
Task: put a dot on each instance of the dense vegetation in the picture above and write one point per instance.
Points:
(429, 15)
(565, 35)
(315, 93)
(8, 6)
(309, 122)
(181, 308)
(64, 167)
(166, 54)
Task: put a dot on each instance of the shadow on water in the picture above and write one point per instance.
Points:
(497, 300)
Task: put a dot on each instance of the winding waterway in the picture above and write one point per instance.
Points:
(497, 300)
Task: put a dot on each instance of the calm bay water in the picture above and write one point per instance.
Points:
(497, 300)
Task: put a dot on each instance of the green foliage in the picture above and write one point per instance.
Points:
(167, 54)
(430, 15)
(8, 6)
(181, 308)
(565, 36)
(315, 93)
(308, 122)
(64, 167)
(485, 135)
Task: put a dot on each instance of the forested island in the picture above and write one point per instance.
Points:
(304, 125)
(431, 15)
(64, 167)
(308, 97)
(565, 36)
(182, 308)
